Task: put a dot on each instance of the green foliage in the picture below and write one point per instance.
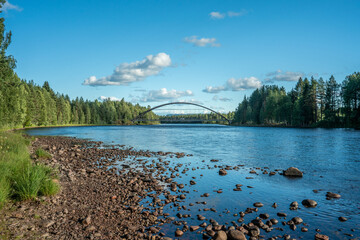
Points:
(41, 153)
(27, 181)
(19, 178)
(310, 103)
(4, 190)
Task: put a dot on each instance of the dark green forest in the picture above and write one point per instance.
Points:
(24, 104)
(312, 103)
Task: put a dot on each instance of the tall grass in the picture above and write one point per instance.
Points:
(20, 179)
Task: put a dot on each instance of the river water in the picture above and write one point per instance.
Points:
(329, 158)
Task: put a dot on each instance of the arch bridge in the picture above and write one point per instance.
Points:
(141, 118)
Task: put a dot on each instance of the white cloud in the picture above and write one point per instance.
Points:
(202, 42)
(102, 98)
(237, 14)
(164, 95)
(235, 85)
(127, 73)
(217, 15)
(8, 6)
(222, 99)
(243, 83)
(211, 89)
(283, 76)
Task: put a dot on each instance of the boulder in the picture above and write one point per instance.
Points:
(293, 172)
(236, 235)
(309, 203)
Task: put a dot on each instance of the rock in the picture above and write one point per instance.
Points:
(332, 195)
(294, 205)
(179, 233)
(258, 204)
(47, 223)
(236, 235)
(297, 220)
(254, 231)
(281, 214)
(194, 228)
(192, 182)
(222, 172)
(220, 235)
(342, 219)
(274, 205)
(87, 220)
(304, 229)
(309, 203)
(293, 172)
(321, 237)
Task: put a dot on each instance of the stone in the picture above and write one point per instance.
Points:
(258, 204)
(220, 235)
(236, 235)
(319, 236)
(297, 220)
(254, 231)
(194, 228)
(222, 172)
(342, 219)
(293, 172)
(309, 203)
(332, 195)
(179, 233)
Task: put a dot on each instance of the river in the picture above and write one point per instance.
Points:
(329, 158)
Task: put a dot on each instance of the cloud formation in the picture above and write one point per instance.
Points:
(235, 85)
(163, 95)
(211, 89)
(8, 6)
(202, 42)
(222, 99)
(103, 98)
(127, 73)
(283, 76)
(219, 15)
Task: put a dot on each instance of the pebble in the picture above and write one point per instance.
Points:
(258, 204)
(332, 195)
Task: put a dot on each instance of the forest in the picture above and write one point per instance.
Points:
(312, 103)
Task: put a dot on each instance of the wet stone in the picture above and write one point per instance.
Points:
(258, 204)
(309, 203)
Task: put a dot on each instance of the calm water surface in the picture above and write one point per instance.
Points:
(330, 159)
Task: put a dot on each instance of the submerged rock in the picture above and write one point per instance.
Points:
(293, 172)
(309, 203)
(222, 172)
(332, 195)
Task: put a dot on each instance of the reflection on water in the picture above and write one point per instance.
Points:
(330, 159)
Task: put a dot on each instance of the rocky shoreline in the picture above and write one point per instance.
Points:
(113, 192)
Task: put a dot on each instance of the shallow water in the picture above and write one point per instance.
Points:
(330, 159)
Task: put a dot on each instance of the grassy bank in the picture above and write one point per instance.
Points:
(21, 178)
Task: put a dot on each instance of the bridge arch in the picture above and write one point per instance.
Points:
(183, 103)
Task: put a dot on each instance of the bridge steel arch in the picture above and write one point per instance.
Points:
(182, 103)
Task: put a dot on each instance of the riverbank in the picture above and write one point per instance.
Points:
(115, 192)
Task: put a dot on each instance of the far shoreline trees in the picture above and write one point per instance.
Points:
(312, 103)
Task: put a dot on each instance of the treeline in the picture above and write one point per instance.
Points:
(26, 104)
(311, 103)
(200, 117)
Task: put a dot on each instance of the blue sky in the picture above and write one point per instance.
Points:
(209, 52)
